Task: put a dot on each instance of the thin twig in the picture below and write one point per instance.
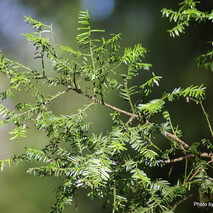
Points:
(171, 136)
(200, 170)
(204, 154)
(129, 98)
(207, 118)
(42, 56)
(53, 42)
(178, 159)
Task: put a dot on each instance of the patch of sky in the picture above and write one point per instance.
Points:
(98, 9)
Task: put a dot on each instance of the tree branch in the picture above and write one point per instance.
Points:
(174, 137)
(132, 116)
(204, 154)
(178, 159)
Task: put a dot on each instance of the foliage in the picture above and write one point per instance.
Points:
(187, 13)
(116, 166)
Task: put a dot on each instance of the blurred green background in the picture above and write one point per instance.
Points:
(138, 21)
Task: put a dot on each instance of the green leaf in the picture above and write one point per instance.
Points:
(154, 106)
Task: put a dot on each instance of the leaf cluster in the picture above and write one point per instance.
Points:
(116, 166)
(188, 12)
